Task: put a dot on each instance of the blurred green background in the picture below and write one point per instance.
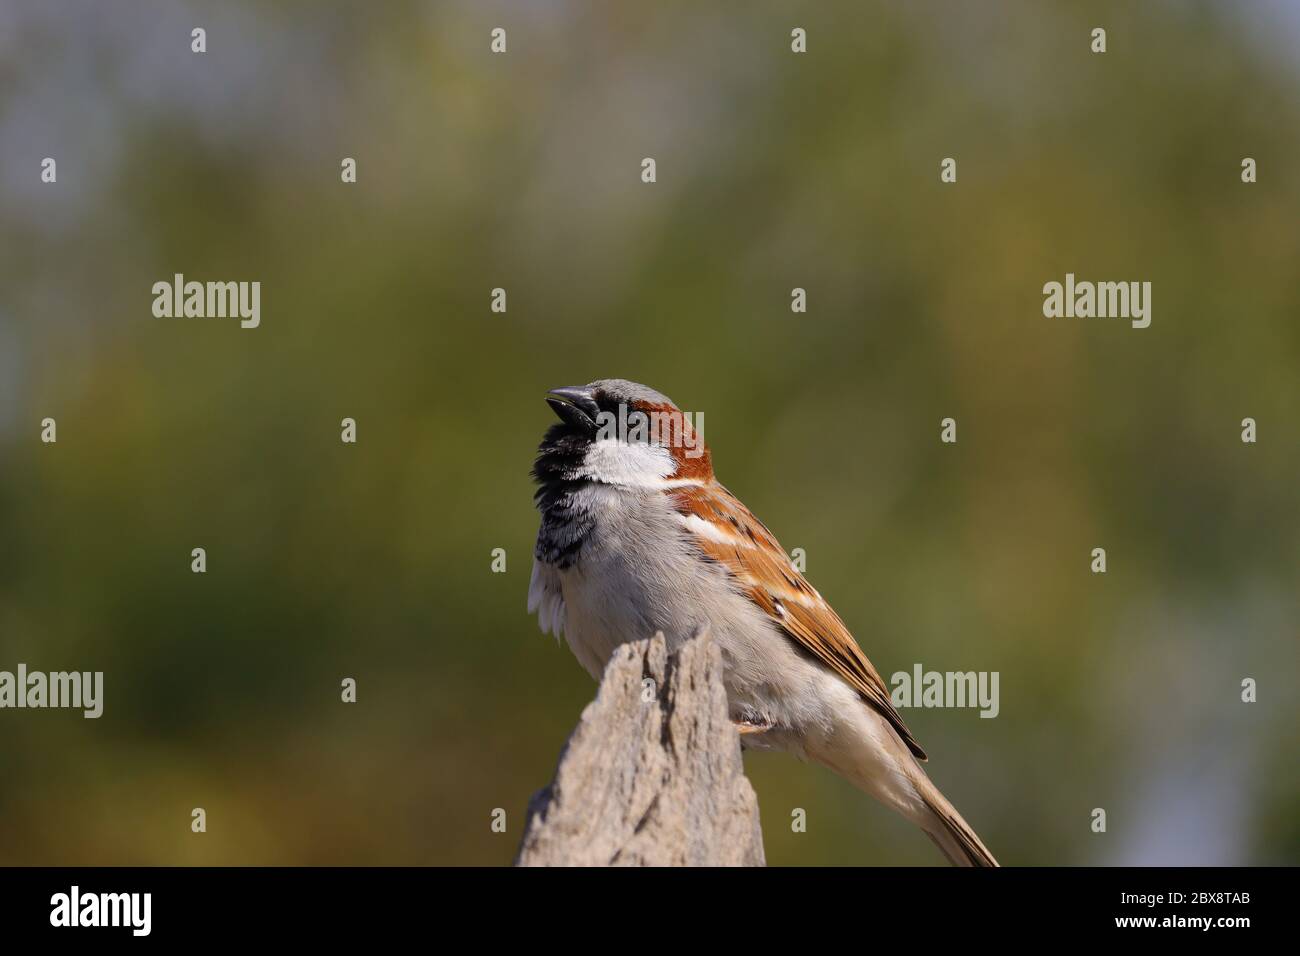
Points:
(522, 171)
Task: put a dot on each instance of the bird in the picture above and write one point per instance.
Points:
(637, 536)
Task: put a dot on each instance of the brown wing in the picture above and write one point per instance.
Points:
(738, 541)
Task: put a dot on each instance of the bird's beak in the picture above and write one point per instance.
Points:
(575, 405)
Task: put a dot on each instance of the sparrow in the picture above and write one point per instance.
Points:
(637, 537)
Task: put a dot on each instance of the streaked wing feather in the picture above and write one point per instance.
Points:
(731, 536)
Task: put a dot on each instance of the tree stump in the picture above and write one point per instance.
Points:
(652, 774)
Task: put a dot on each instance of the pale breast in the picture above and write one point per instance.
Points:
(638, 575)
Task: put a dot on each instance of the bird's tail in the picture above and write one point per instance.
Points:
(868, 753)
(945, 826)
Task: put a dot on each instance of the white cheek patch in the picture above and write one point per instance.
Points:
(628, 463)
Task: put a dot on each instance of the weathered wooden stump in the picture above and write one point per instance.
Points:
(652, 774)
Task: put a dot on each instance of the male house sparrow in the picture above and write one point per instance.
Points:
(637, 536)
